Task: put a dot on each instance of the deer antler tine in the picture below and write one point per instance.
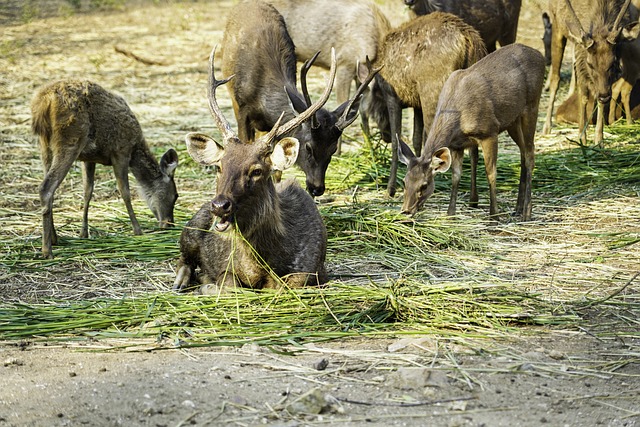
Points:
(303, 77)
(268, 139)
(342, 122)
(221, 122)
(616, 23)
(575, 17)
(296, 121)
(303, 82)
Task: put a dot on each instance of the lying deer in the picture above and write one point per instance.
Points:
(79, 120)
(254, 233)
(499, 92)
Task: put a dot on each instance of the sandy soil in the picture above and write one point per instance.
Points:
(543, 378)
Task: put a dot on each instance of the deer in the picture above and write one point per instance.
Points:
(499, 92)
(630, 62)
(257, 92)
(355, 28)
(255, 233)
(80, 120)
(595, 50)
(414, 60)
(496, 20)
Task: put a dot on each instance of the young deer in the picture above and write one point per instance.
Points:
(79, 120)
(254, 233)
(499, 92)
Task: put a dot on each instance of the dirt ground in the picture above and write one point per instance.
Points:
(542, 377)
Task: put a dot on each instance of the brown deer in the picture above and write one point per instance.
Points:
(596, 28)
(265, 85)
(79, 120)
(630, 61)
(415, 60)
(500, 92)
(254, 233)
(355, 28)
(495, 20)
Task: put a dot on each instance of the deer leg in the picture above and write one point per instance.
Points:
(88, 178)
(344, 77)
(456, 173)
(418, 131)
(122, 177)
(56, 168)
(625, 93)
(473, 156)
(599, 136)
(523, 132)
(582, 116)
(490, 152)
(558, 44)
(395, 120)
(616, 91)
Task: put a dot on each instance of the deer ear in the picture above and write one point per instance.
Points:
(285, 153)
(441, 160)
(405, 155)
(631, 31)
(203, 149)
(169, 162)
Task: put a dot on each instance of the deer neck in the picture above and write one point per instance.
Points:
(145, 168)
(260, 219)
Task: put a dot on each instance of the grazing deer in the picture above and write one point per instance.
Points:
(415, 60)
(254, 233)
(79, 120)
(499, 92)
(630, 61)
(355, 28)
(265, 85)
(597, 28)
(495, 20)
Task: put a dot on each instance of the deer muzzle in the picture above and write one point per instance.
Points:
(223, 210)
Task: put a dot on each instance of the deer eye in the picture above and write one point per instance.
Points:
(255, 172)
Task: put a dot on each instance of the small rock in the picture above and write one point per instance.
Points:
(12, 362)
(312, 402)
(556, 355)
(188, 404)
(417, 378)
(321, 364)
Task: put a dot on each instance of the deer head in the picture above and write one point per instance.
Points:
(245, 169)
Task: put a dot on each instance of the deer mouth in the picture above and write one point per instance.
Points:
(222, 224)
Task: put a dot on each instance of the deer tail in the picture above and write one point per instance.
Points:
(41, 116)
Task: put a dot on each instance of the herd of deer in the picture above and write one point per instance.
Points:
(259, 232)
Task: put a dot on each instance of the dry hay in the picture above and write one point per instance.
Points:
(573, 268)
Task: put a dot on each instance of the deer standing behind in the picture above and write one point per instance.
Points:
(415, 60)
(630, 61)
(259, 52)
(596, 27)
(495, 20)
(79, 120)
(254, 233)
(355, 28)
(500, 92)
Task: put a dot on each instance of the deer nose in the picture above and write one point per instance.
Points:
(604, 99)
(221, 206)
(315, 191)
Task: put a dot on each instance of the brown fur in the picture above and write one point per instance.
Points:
(416, 59)
(259, 51)
(79, 120)
(495, 20)
(596, 48)
(500, 92)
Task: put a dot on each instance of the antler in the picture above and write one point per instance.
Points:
(342, 122)
(221, 122)
(311, 110)
(575, 18)
(615, 30)
(303, 82)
